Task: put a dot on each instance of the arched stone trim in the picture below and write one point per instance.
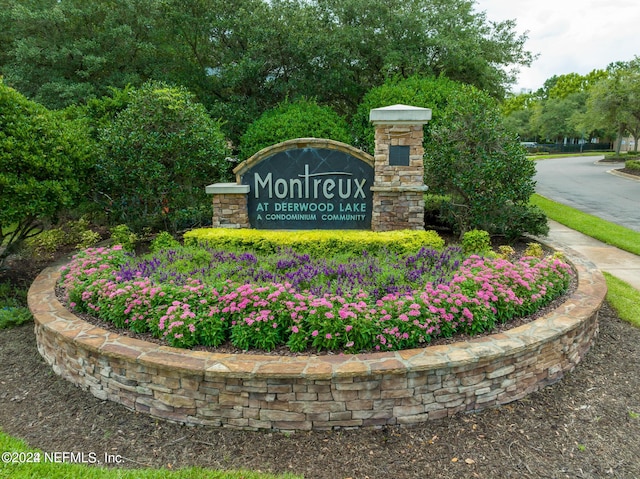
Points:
(301, 143)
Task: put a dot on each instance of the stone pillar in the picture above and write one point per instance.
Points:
(229, 205)
(398, 188)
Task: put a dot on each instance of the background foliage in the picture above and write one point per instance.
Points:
(245, 57)
(43, 160)
(473, 158)
(168, 141)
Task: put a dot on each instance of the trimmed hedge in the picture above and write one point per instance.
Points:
(632, 164)
(315, 242)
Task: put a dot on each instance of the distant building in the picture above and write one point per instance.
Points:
(628, 144)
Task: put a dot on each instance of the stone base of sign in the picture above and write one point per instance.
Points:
(397, 208)
(273, 393)
(229, 205)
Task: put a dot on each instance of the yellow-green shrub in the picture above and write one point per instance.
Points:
(317, 242)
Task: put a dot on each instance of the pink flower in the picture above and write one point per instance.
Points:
(328, 336)
(314, 333)
(295, 329)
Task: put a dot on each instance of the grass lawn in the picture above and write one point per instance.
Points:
(566, 155)
(602, 230)
(623, 297)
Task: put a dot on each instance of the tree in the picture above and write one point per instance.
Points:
(555, 118)
(67, 52)
(614, 102)
(157, 157)
(43, 161)
(557, 111)
(245, 57)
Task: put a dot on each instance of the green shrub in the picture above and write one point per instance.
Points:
(535, 250)
(87, 239)
(424, 92)
(12, 295)
(75, 234)
(44, 161)
(321, 242)
(44, 245)
(123, 236)
(157, 157)
(506, 252)
(470, 157)
(632, 164)
(476, 242)
(164, 240)
(300, 119)
(473, 158)
(11, 316)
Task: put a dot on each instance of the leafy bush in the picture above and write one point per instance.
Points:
(425, 92)
(157, 157)
(164, 240)
(74, 234)
(301, 119)
(11, 316)
(434, 205)
(632, 164)
(534, 250)
(43, 163)
(123, 236)
(470, 157)
(476, 242)
(473, 158)
(44, 245)
(317, 242)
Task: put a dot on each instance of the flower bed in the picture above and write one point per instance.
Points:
(367, 303)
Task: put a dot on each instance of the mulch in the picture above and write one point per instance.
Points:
(585, 426)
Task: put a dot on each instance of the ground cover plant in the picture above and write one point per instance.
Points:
(202, 296)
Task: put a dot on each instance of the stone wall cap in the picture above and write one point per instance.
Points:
(227, 189)
(400, 114)
(400, 189)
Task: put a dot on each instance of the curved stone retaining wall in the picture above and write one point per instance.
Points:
(317, 392)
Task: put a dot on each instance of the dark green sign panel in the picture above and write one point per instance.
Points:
(310, 188)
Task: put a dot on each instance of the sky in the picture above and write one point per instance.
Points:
(570, 36)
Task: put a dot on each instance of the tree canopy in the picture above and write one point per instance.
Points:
(244, 57)
(602, 104)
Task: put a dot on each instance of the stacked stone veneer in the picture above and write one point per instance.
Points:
(317, 392)
(398, 191)
(229, 205)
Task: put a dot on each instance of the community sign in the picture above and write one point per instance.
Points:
(309, 188)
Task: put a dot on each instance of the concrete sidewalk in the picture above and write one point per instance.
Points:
(610, 259)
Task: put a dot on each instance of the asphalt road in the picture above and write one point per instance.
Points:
(582, 183)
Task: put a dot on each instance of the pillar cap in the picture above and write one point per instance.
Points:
(227, 189)
(400, 115)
